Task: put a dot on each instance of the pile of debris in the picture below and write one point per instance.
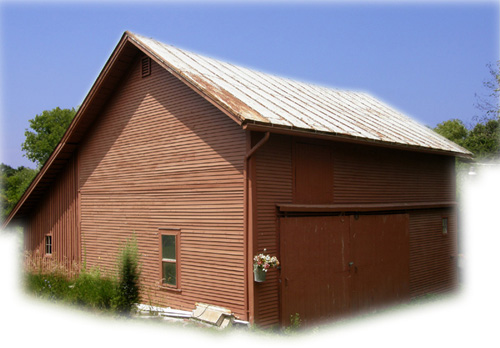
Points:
(206, 314)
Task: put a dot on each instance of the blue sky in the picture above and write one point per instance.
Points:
(427, 60)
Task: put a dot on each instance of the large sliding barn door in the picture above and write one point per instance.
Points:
(380, 251)
(337, 265)
(315, 268)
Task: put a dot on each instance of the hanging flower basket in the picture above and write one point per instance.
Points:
(261, 264)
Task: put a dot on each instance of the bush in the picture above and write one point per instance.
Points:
(93, 290)
(86, 289)
(48, 286)
(129, 274)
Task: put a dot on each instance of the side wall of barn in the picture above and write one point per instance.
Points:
(56, 216)
(160, 159)
(295, 170)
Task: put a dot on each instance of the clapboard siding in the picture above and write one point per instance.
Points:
(273, 185)
(364, 174)
(433, 256)
(57, 214)
(160, 156)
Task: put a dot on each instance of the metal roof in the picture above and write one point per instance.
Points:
(256, 97)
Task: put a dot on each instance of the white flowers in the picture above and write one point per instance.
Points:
(264, 262)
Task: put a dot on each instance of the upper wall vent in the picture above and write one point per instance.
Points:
(145, 66)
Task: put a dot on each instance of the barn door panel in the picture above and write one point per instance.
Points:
(380, 260)
(334, 266)
(314, 253)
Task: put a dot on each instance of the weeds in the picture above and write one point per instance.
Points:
(48, 286)
(295, 323)
(128, 287)
(93, 290)
(63, 281)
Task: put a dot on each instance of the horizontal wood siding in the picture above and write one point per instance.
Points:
(56, 214)
(433, 256)
(160, 156)
(364, 174)
(273, 185)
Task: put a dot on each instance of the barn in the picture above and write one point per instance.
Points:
(207, 164)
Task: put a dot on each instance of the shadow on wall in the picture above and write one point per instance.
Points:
(153, 125)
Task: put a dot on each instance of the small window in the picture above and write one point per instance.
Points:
(48, 245)
(445, 226)
(169, 244)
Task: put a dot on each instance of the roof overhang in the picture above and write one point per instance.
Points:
(278, 129)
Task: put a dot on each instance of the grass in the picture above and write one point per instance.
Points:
(49, 279)
(87, 289)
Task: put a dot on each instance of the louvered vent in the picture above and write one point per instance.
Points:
(145, 66)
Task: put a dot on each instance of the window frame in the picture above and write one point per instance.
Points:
(170, 232)
(46, 245)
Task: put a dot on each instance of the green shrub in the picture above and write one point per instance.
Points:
(129, 274)
(48, 286)
(94, 290)
(87, 289)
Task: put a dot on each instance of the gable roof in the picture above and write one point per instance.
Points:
(256, 101)
(258, 98)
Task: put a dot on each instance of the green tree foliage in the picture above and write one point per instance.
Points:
(484, 139)
(13, 183)
(46, 131)
(453, 130)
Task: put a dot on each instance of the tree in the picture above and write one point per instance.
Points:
(46, 131)
(490, 104)
(13, 183)
(484, 140)
(453, 130)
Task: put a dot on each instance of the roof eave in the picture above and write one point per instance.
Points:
(310, 133)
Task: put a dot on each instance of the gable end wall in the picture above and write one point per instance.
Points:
(160, 156)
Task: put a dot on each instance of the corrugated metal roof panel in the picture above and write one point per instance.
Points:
(254, 96)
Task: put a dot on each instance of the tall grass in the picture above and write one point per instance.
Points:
(47, 278)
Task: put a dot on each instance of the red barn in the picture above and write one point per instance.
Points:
(208, 164)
